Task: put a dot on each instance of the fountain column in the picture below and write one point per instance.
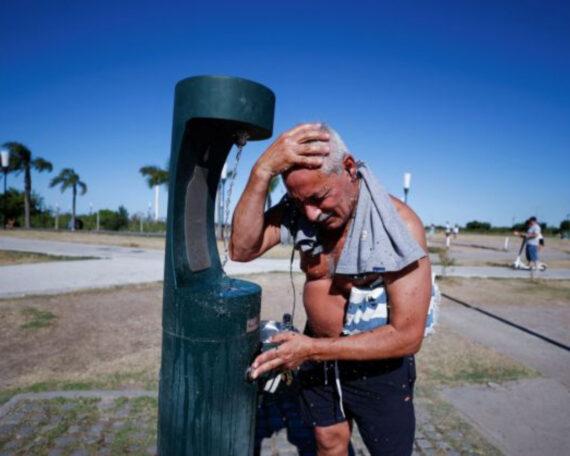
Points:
(210, 322)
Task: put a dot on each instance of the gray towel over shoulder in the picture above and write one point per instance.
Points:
(378, 240)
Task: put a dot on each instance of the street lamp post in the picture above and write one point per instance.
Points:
(407, 181)
(5, 157)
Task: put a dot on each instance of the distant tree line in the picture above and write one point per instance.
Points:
(476, 226)
(42, 217)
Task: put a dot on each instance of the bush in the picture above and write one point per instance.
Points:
(112, 220)
(14, 209)
(475, 225)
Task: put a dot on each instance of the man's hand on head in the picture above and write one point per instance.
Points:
(304, 146)
(292, 351)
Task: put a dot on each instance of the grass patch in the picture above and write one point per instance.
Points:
(51, 419)
(12, 257)
(508, 291)
(449, 359)
(36, 318)
(138, 432)
(550, 289)
(436, 250)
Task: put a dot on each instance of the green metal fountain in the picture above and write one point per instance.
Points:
(210, 321)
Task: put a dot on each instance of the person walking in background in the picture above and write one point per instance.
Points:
(532, 237)
(455, 231)
(447, 234)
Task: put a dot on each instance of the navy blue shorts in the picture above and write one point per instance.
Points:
(377, 395)
(531, 252)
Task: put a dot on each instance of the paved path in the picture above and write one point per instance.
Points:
(115, 266)
(124, 422)
(123, 266)
(522, 418)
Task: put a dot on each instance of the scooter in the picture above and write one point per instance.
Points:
(520, 264)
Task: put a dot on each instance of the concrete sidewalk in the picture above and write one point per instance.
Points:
(115, 266)
(123, 266)
(528, 417)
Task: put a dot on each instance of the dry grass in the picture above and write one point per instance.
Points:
(121, 240)
(12, 257)
(509, 291)
(84, 237)
(449, 359)
(112, 339)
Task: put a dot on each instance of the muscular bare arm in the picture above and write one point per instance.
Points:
(254, 232)
(409, 294)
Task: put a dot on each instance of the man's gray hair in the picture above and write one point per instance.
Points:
(332, 163)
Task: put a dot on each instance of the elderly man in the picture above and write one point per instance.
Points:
(357, 244)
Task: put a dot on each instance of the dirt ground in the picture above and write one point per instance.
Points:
(122, 240)
(539, 305)
(111, 338)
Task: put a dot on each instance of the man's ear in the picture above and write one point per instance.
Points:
(349, 166)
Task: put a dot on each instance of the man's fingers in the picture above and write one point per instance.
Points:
(315, 148)
(302, 129)
(310, 162)
(313, 134)
(282, 337)
(266, 367)
(265, 357)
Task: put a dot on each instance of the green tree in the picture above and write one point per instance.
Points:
(22, 161)
(155, 177)
(68, 178)
(14, 202)
(114, 220)
(476, 225)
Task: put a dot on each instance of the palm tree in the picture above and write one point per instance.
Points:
(272, 186)
(155, 177)
(69, 178)
(22, 162)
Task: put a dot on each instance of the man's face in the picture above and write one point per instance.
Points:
(326, 199)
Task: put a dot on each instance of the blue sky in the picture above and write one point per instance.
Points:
(472, 98)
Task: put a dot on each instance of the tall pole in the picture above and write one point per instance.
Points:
(5, 162)
(407, 182)
(57, 217)
(156, 194)
(5, 211)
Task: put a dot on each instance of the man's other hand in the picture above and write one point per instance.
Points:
(304, 146)
(292, 351)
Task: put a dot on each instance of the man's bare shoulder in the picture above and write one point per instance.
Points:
(412, 221)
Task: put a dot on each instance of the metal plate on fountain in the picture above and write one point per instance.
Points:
(197, 250)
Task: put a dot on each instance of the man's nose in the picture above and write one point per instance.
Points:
(312, 213)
